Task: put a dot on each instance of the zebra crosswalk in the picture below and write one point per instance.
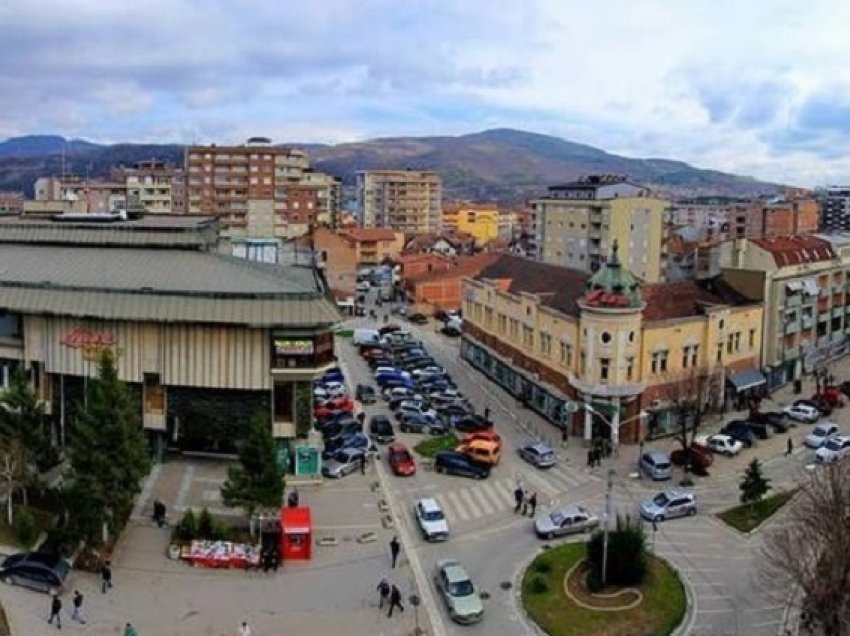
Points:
(476, 500)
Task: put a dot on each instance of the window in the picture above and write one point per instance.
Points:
(488, 317)
(737, 341)
(527, 336)
(566, 354)
(502, 322)
(730, 342)
(604, 367)
(545, 344)
(630, 368)
(720, 352)
(752, 338)
(514, 325)
(659, 362)
(583, 361)
(694, 354)
(631, 336)
(605, 337)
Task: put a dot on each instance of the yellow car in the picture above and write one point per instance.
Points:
(481, 450)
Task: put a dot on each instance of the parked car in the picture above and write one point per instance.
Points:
(538, 454)
(831, 395)
(418, 319)
(333, 405)
(400, 460)
(777, 419)
(481, 450)
(381, 429)
(470, 423)
(451, 331)
(452, 463)
(414, 402)
(333, 388)
(820, 434)
(339, 427)
(417, 407)
(349, 440)
(762, 430)
(668, 504)
(366, 394)
(343, 462)
(722, 444)
(419, 423)
(835, 448)
(36, 570)
(739, 430)
(399, 393)
(698, 457)
(821, 404)
(431, 520)
(656, 465)
(458, 593)
(802, 412)
(459, 413)
(563, 521)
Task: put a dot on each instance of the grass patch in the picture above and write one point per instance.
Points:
(344, 333)
(662, 609)
(8, 536)
(433, 445)
(748, 517)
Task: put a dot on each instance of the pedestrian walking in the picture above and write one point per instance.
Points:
(77, 614)
(395, 601)
(129, 630)
(564, 436)
(55, 611)
(106, 577)
(293, 498)
(383, 593)
(395, 548)
(519, 495)
(590, 458)
(525, 499)
(532, 504)
(363, 463)
(789, 447)
(244, 630)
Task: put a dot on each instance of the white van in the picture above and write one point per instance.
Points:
(365, 337)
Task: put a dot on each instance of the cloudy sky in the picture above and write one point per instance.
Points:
(760, 88)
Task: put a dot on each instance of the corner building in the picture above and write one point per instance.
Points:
(630, 351)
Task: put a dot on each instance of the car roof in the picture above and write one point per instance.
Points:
(539, 447)
(672, 493)
(429, 504)
(571, 510)
(455, 573)
(656, 454)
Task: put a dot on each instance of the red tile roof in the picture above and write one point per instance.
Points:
(465, 266)
(794, 250)
(680, 299)
(407, 259)
(369, 234)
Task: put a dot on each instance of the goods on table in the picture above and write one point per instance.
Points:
(223, 554)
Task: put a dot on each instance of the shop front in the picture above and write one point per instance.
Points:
(744, 387)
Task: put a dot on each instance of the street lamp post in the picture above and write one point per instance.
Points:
(615, 430)
(606, 525)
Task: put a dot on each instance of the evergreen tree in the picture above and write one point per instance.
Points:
(108, 450)
(754, 485)
(257, 482)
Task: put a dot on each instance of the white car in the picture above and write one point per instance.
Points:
(834, 449)
(720, 443)
(802, 413)
(820, 434)
(431, 520)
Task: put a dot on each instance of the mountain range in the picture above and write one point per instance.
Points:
(501, 165)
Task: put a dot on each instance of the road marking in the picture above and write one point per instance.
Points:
(504, 488)
(454, 505)
(474, 510)
(491, 495)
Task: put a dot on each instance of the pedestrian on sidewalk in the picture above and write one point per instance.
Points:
(395, 548)
(395, 601)
(363, 463)
(519, 495)
(56, 611)
(790, 447)
(532, 504)
(244, 629)
(590, 458)
(525, 502)
(129, 630)
(383, 593)
(292, 500)
(77, 614)
(106, 577)
(564, 437)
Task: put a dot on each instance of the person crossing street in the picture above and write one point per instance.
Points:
(395, 601)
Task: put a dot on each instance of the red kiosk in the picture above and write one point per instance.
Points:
(296, 536)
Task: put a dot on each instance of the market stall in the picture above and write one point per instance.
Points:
(297, 532)
(222, 554)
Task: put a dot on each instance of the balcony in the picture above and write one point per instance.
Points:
(792, 327)
(794, 300)
(823, 317)
(837, 312)
(837, 336)
(808, 322)
(823, 341)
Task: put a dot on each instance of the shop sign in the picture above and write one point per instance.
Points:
(293, 347)
(89, 342)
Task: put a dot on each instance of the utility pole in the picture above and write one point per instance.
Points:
(607, 523)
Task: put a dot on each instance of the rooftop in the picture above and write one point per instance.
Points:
(464, 266)
(680, 299)
(370, 234)
(795, 250)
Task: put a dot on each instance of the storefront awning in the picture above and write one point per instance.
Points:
(747, 379)
(794, 285)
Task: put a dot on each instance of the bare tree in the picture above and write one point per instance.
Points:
(13, 471)
(810, 549)
(693, 394)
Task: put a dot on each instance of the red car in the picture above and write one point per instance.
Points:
(334, 405)
(401, 461)
(390, 328)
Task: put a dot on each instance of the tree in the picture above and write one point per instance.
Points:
(692, 395)
(628, 563)
(754, 485)
(810, 549)
(257, 481)
(12, 471)
(108, 451)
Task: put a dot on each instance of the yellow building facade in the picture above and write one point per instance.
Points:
(481, 222)
(633, 352)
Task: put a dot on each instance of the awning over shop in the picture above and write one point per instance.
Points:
(747, 379)
(810, 286)
(794, 285)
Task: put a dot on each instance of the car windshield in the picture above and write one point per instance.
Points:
(557, 518)
(433, 515)
(461, 588)
(343, 457)
(660, 499)
(400, 456)
(819, 432)
(833, 445)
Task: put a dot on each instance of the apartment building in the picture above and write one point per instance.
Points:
(787, 215)
(835, 203)
(708, 217)
(577, 223)
(406, 200)
(482, 221)
(259, 190)
(632, 352)
(803, 283)
(11, 202)
(74, 193)
(155, 185)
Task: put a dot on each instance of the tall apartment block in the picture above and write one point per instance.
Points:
(155, 185)
(835, 215)
(409, 201)
(577, 223)
(259, 190)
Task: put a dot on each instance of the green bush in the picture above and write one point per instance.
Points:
(538, 585)
(187, 529)
(24, 523)
(543, 567)
(205, 525)
(627, 557)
